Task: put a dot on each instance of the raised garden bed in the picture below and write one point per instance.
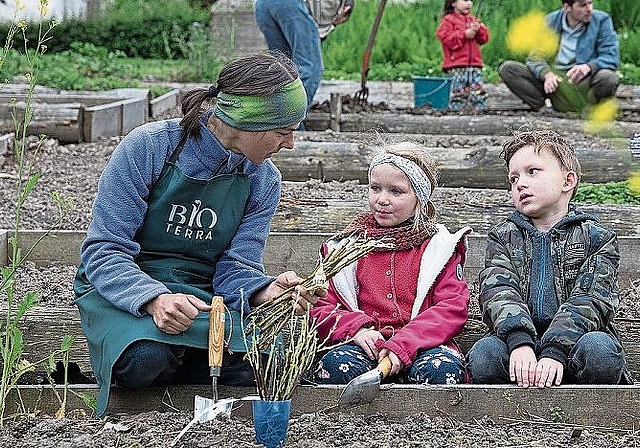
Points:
(81, 116)
(308, 213)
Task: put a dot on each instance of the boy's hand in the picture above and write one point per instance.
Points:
(547, 370)
(522, 366)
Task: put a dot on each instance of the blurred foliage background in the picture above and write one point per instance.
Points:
(406, 44)
(139, 40)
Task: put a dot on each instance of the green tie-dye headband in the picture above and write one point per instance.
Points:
(283, 109)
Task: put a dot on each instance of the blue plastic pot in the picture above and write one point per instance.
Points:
(271, 422)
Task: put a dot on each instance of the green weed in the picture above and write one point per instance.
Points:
(609, 193)
(11, 341)
(202, 53)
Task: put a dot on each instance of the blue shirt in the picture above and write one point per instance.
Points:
(119, 209)
(597, 46)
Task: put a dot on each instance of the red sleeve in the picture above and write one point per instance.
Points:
(447, 33)
(443, 314)
(335, 320)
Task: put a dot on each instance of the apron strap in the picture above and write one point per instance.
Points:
(178, 149)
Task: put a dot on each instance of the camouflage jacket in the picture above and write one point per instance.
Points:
(547, 289)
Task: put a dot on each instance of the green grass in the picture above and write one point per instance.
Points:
(86, 67)
(609, 193)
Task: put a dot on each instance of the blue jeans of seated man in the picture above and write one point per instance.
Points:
(439, 365)
(150, 363)
(597, 358)
(288, 28)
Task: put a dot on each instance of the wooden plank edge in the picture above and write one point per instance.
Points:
(45, 327)
(284, 250)
(163, 103)
(580, 405)
(498, 125)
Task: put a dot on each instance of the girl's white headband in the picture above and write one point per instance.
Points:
(419, 180)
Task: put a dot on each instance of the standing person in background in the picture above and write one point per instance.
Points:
(296, 28)
(461, 35)
(406, 302)
(182, 212)
(587, 57)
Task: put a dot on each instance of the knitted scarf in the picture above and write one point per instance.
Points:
(404, 236)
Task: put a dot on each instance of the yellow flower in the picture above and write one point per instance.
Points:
(531, 34)
(634, 183)
(601, 115)
(43, 8)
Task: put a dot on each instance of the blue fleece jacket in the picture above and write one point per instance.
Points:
(109, 250)
(598, 46)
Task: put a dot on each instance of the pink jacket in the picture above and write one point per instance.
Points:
(413, 312)
(458, 51)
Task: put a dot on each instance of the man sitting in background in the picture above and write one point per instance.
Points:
(587, 58)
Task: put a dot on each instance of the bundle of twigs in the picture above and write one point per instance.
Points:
(280, 371)
(267, 320)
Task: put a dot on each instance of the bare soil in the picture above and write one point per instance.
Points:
(336, 430)
(73, 171)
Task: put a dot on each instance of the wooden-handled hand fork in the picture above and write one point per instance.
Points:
(216, 342)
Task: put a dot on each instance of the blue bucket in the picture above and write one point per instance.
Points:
(431, 91)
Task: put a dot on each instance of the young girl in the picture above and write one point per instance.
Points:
(407, 303)
(461, 35)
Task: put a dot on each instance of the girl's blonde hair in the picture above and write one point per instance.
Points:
(425, 213)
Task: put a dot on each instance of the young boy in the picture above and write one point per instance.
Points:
(549, 289)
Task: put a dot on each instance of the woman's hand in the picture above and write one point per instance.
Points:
(284, 281)
(174, 313)
(366, 339)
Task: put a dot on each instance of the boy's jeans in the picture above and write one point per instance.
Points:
(597, 358)
(289, 28)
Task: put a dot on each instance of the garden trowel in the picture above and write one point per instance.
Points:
(365, 388)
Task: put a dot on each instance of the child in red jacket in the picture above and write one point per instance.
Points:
(461, 35)
(402, 306)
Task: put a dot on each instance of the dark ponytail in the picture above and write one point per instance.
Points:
(259, 74)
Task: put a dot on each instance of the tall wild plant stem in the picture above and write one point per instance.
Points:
(13, 365)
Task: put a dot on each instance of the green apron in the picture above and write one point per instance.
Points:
(187, 227)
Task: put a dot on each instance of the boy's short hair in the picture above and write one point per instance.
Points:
(541, 139)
